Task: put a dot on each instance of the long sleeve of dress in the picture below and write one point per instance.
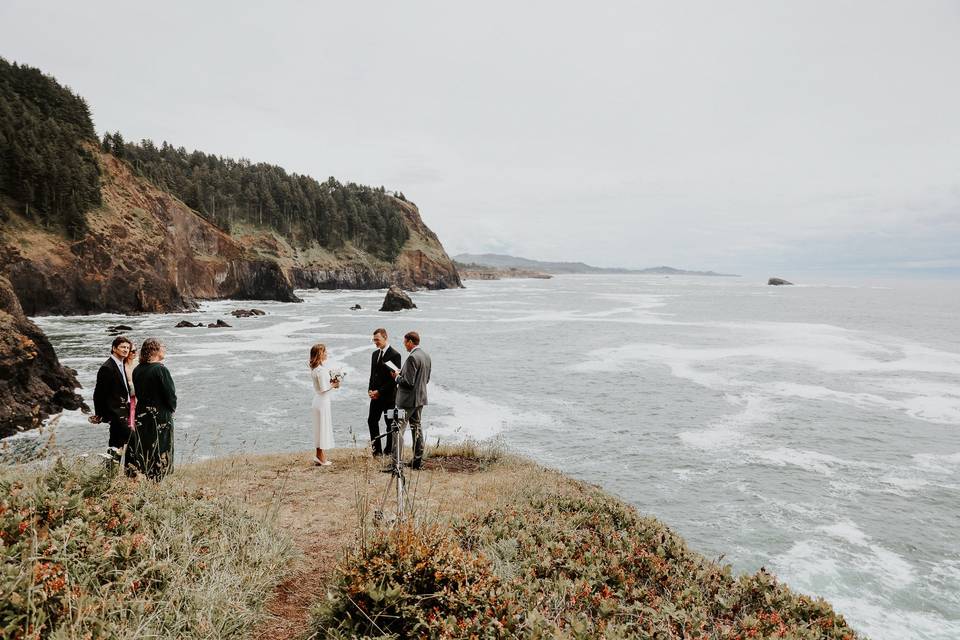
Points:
(321, 380)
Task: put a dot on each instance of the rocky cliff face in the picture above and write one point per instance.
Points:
(145, 252)
(148, 252)
(33, 384)
(422, 263)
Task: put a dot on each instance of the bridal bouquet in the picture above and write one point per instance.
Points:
(336, 375)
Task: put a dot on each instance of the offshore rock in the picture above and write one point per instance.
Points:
(247, 313)
(33, 383)
(777, 281)
(397, 300)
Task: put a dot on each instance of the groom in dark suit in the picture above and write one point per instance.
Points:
(382, 390)
(111, 397)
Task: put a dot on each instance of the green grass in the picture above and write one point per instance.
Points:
(86, 555)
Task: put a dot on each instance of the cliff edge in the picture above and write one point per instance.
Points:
(33, 383)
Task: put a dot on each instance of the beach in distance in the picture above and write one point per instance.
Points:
(806, 429)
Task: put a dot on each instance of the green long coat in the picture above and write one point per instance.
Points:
(150, 450)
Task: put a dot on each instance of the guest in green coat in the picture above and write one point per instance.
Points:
(150, 450)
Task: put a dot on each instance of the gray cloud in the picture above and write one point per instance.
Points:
(735, 136)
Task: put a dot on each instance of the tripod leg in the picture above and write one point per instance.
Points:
(398, 473)
(386, 492)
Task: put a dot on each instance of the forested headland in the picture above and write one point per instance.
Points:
(49, 171)
(228, 191)
(43, 163)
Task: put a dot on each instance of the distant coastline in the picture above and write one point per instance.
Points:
(474, 271)
(508, 266)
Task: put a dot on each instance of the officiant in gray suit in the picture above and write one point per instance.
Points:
(412, 392)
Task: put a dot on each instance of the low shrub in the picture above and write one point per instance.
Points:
(415, 583)
(560, 566)
(88, 555)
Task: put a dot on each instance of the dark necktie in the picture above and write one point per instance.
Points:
(379, 356)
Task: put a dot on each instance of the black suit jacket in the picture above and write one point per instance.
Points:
(380, 378)
(110, 399)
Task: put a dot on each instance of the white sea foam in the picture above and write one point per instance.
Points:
(903, 485)
(880, 621)
(462, 415)
(846, 530)
(822, 463)
(284, 337)
(938, 409)
(841, 575)
(807, 565)
(730, 430)
(891, 567)
(938, 463)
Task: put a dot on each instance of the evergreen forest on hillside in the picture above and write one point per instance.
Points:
(228, 191)
(47, 170)
(43, 164)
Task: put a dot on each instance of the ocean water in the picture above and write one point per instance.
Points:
(812, 430)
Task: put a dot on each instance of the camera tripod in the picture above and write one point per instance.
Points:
(397, 483)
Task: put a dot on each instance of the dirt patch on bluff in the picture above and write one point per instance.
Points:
(455, 464)
(323, 509)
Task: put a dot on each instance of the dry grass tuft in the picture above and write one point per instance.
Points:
(89, 555)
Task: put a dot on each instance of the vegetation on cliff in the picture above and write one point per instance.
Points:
(502, 548)
(43, 164)
(573, 563)
(85, 555)
(228, 191)
(45, 167)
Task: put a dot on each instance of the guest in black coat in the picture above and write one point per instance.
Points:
(111, 395)
(151, 445)
(382, 390)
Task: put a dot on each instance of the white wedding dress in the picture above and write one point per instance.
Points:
(322, 417)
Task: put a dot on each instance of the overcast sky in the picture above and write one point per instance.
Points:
(738, 136)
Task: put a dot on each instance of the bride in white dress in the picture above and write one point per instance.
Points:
(322, 417)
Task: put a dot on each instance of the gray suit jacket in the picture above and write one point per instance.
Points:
(413, 379)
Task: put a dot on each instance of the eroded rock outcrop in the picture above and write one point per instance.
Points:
(397, 300)
(33, 383)
(145, 251)
(247, 313)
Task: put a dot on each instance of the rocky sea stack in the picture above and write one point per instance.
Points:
(397, 300)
